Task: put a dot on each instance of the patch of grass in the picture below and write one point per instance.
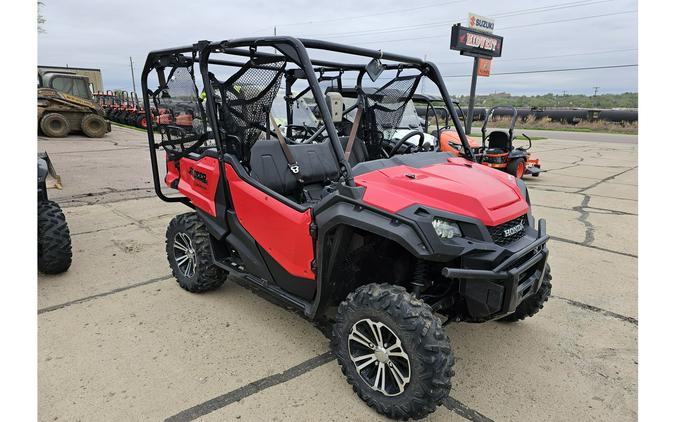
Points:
(583, 126)
(477, 135)
(127, 126)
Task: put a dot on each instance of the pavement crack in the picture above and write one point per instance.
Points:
(250, 389)
(100, 295)
(592, 308)
(600, 248)
(583, 218)
(606, 179)
(464, 411)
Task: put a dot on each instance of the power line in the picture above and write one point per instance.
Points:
(408, 9)
(569, 69)
(511, 27)
(590, 53)
(540, 9)
(522, 72)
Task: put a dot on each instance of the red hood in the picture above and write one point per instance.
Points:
(458, 186)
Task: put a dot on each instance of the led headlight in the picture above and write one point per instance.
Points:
(446, 229)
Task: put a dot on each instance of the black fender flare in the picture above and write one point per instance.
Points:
(354, 216)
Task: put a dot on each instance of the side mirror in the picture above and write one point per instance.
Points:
(374, 69)
(335, 105)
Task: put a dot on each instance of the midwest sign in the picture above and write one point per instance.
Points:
(475, 43)
(481, 23)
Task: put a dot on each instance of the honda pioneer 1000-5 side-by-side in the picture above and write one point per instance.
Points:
(387, 238)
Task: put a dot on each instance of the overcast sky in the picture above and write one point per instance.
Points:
(103, 34)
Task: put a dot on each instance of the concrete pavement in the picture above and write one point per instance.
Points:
(119, 340)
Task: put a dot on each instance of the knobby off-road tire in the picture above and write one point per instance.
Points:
(408, 323)
(534, 303)
(55, 125)
(54, 247)
(188, 250)
(94, 126)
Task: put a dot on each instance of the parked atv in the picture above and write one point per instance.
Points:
(498, 151)
(389, 239)
(54, 249)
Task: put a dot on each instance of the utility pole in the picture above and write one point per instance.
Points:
(595, 94)
(133, 79)
(275, 31)
(472, 98)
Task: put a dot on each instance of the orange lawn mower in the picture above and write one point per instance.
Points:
(447, 136)
(498, 152)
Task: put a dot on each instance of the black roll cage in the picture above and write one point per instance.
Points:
(295, 50)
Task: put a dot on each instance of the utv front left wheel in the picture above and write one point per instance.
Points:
(188, 250)
(393, 351)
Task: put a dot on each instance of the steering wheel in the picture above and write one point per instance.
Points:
(407, 136)
(306, 131)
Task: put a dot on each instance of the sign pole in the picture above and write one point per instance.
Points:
(468, 119)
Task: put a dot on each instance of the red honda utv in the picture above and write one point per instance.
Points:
(341, 220)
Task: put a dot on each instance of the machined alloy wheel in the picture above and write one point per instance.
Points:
(185, 254)
(393, 351)
(378, 355)
(188, 250)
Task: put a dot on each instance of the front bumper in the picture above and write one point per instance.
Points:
(494, 293)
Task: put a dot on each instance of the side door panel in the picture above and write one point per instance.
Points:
(280, 230)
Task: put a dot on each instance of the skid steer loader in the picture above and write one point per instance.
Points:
(65, 104)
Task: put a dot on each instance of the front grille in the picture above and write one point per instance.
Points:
(504, 234)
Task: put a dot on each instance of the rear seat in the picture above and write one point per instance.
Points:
(359, 152)
(270, 167)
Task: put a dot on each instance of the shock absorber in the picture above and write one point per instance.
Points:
(420, 276)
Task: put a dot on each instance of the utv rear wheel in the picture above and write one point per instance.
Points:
(516, 168)
(54, 247)
(393, 351)
(55, 125)
(188, 250)
(94, 126)
(534, 303)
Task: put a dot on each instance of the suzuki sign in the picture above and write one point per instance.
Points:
(481, 23)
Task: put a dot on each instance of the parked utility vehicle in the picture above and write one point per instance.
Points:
(390, 240)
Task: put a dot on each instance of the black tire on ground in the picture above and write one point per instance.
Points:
(55, 125)
(54, 248)
(513, 168)
(536, 174)
(94, 126)
(405, 321)
(534, 303)
(188, 250)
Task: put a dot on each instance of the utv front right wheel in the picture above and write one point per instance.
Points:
(188, 250)
(393, 351)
